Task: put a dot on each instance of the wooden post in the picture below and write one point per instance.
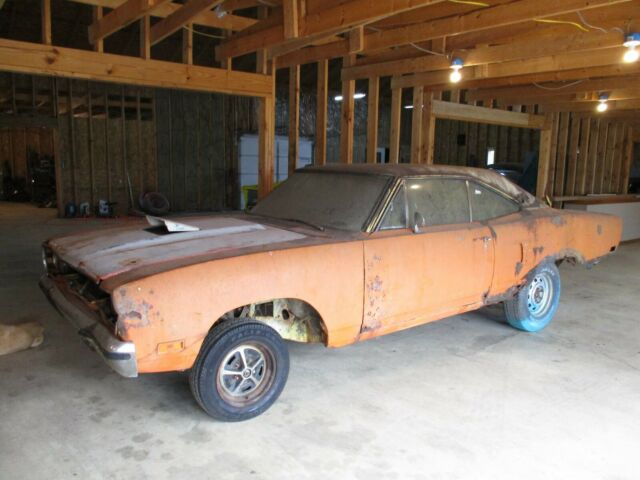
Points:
(394, 134)
(294, 117)
(416, 125)
(266, 136)
(627, 161)
(97, 15)
(187, 44)
(544, 159)
(346, 124)
(46, 22)
(321, 113)
(372, 119)
(428, 128)
(145, 42)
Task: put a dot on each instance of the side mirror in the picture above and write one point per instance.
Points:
(418, 222)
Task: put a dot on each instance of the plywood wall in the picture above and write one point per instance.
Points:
(590, 155)
(16, 143)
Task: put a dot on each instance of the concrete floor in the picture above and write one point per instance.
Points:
(466, 397)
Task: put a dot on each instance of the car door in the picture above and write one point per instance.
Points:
(514, 254)
(427, 260)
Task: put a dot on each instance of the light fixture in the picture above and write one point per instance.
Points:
(602, 106)
(219, 11)
(356, 96)
(632, 41)
(456, 66)
(409, 107)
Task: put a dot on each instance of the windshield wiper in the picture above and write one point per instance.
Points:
(304, 222)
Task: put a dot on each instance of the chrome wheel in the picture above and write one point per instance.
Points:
(246, 372)
(540, 294)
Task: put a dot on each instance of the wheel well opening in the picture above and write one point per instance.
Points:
(292, 318)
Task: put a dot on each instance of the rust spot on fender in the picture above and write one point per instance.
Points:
(518, 268)
(538, 250)
(599, 229)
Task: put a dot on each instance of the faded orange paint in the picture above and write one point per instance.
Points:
(362, 287)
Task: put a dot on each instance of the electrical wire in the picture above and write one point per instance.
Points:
(566, 22)
(604, 30)
(203, 33)
(427, 50)
(577, 82)
(469, 2)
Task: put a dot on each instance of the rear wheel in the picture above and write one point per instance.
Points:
(537, 301)
(240, 371)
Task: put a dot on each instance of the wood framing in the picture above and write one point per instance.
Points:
(294, 117)
(544, 160)
(394, 125)
(472, 113)
(266, 134)
(180, 18)
(321, 113)
(428, 128)
(46, 21)
(26, 57)
(416, 126)
(373, 99)
(290, 17)
(347, 116)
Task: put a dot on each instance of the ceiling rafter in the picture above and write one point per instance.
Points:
(180, 18)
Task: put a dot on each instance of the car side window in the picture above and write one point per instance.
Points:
(487, 204)
(396, 215)
(437, 201)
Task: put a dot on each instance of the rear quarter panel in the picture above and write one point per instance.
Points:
(184, 303)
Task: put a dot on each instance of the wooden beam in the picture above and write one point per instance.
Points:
(394, 133)
(347, 15)
(145, 40)
(551, 64)
(180, 18)
(97, 15)
(46, 21)
(294, 117)
(533, 48)
(356, 39)
(266, 134)
(39, 59)
(373, 99)
(633, 104)
(346, 119)
(428, 128)
(472, 113)
(544, 160)
(206, 19)
(321, 113)
(187, 45)
(416, 126)
(290, 15)
(125, 14)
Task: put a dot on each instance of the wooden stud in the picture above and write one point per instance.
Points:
(373, 98)
(294, 117)
(356, 39)
(627, 161)
(428, 128)
(561, 156)
(46, 22)
(187, 45)
(123, 15)
(180, 18)
(416, 126)
(321, 113)
(290, 20)
(145, 42)
(346, 123)
(608, 158)
(544, 159)
(471, 113)
(394, 134)
(98, 46)
(266, 136)
(583, 158)
(599, 161)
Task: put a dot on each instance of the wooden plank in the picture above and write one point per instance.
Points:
(583, 157)
(472, 113)
(553, 154)
(356, 40)
(373, 100)
(46, 21)
(608, 158)
(187, 45)
(618, 158)
(42, 59)
(627, 160)
(394, 133)
(572, 159)
(97, 14)
(321, 113)
(544, 160)
(614, 105)
(266, 134)
(145, 41)
(347, 117)
(598, 164)
(290, 20)
(416, 126)
(127, 13)
(561, 155)
(294, 117)
(180, 18)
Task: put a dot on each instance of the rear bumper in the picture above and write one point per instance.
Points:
(119, 355)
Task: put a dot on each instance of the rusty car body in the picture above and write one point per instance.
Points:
(147, 300)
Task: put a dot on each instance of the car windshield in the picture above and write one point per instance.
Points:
(325, 200)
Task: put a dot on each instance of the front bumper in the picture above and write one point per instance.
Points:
(119, 355)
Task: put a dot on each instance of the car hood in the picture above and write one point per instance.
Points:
(102, 254)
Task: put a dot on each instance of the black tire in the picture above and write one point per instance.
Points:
(227, 379)
(524, 311)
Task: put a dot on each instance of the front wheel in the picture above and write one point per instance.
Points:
(240, 371)
(536, 303)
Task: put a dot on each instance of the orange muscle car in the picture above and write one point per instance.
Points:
(336, 254)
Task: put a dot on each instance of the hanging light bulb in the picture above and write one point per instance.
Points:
(602, 106)
(632, 42)
(456, 66)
